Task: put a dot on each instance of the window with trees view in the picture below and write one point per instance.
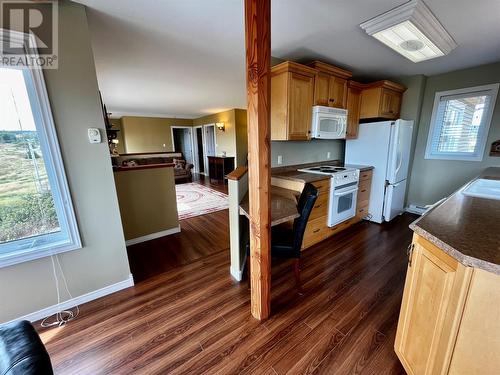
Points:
(36, 215)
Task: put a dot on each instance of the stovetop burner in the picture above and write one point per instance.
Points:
(325, 169)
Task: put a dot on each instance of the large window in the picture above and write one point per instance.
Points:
(460, 123)
(36, 215)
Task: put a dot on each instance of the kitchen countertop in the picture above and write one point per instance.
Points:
(465, 227)
(283, 205)
(290, 172)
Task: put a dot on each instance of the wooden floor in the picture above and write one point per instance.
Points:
(195, 319)
(200, 236)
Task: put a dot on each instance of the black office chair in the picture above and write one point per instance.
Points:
(286, 242)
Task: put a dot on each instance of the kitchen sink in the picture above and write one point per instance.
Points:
(482, 188)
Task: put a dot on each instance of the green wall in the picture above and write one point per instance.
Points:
(149, 134)
(74, 96)
(432, 180)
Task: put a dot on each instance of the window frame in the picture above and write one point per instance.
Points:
(483, 131)
(68, 238)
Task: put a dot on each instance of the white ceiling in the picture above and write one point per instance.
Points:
(186, 58)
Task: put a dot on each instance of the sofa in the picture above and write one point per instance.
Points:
(182, 169)
(22, 352)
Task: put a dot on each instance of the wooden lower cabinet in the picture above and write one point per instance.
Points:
(317, 229)
(446, 326)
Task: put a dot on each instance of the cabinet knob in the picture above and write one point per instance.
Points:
(332, 100)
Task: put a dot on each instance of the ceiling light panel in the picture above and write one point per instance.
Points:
(411, 30)
(409, 41)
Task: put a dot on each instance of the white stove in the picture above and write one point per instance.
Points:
(343, 191)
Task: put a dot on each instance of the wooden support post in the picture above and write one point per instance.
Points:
(258, 57)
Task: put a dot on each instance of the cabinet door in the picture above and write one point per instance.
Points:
(353, 112)
(435, 289)
(300, 107)
(391, 102)
(338, 92)
(322, 89)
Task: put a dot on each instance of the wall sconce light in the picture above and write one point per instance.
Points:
(221, 126)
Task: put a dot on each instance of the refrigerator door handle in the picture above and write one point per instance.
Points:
(400, 157)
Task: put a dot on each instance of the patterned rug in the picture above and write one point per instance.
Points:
(194, 200)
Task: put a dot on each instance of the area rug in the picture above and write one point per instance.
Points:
(194, 200)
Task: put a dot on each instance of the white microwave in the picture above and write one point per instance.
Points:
(329, 123)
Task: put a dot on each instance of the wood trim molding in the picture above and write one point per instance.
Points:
(330, 69)
(237, 174)
(385, 84)
(356, 85)
(258, 72)
(145, 166)
(293, 67)
(151, 153)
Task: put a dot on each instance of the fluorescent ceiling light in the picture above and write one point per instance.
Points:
(411, 30)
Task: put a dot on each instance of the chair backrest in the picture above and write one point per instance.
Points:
(305, 206)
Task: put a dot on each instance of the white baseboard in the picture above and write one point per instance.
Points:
(236, 274)
(414, 209)
(152, 236)
(51, 310)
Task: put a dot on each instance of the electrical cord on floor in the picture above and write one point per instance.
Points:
(62, 316)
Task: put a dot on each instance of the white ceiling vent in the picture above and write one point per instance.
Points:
(411, 30)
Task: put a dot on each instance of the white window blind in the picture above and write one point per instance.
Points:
(460, 123)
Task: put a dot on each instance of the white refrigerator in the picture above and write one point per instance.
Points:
(386, 146)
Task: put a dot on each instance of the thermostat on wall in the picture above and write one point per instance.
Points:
(94, 135)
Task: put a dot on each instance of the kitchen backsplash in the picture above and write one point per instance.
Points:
(299, 152)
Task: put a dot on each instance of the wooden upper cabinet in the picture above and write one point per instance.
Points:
(381, 99)
(330, 87)
(292, 94)
(322, 89)
(338, 92)
(354, 90)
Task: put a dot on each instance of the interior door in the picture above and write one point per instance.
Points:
(188, 146)
(394, 201)
(209, 142)
(399, 151)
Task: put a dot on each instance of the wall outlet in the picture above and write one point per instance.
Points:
(328, 155)
(280, 159)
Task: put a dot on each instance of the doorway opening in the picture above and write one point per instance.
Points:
(199, 152)
(183, 142)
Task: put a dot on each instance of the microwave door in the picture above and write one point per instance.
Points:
(331, 128)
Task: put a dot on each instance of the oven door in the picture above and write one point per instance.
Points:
(330, 126)
(343, 204)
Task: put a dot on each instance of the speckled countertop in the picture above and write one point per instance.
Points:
(290, 172)
(465, 227)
